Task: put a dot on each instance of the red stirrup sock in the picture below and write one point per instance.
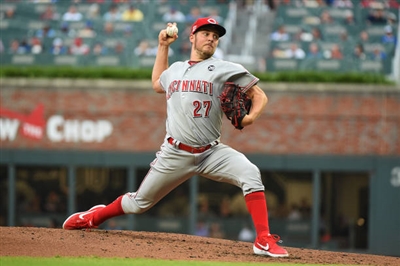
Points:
(257, 207)
(112, 210)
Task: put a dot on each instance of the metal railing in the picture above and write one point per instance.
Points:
(229, 25)
(396, 59)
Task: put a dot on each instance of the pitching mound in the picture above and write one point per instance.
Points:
(44, 242)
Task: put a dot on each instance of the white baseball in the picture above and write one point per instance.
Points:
(172, 30)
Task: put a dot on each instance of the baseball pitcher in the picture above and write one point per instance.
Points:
(199, 92)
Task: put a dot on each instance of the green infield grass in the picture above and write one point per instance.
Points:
(96, 261)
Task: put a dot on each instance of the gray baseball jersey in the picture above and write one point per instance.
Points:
(194, 118)
(193, 108)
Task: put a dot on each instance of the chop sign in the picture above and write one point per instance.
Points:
(58, 128)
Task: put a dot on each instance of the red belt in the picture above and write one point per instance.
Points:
(188, 148)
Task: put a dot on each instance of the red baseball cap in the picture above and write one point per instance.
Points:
(202, 22)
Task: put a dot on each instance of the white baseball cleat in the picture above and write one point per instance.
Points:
(81, 220)
(267, 246)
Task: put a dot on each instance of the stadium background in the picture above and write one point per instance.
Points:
(329, 154)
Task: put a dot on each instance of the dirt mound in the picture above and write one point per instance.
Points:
(44, 242)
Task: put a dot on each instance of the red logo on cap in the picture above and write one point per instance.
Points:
(207, 21)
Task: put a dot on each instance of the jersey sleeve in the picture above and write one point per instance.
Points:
(163, 79)
(241, 76)
(167, 75)
(246, 81)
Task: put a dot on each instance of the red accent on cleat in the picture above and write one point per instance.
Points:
(81, 220)
(267, 246)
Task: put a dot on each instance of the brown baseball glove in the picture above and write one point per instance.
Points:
(234, 103)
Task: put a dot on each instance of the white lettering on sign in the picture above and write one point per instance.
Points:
(395, 180)
(32, 130)
(60, 129)
(8, 129)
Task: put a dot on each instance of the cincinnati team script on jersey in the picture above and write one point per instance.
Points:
(199, 86)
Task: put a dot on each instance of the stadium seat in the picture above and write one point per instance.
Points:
(328, 65)
(274, 64)
(107, 61)
(370, 66)
(65, 60)
(27, 59)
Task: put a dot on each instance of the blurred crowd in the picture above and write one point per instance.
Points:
(345, 35)
(111, 27)
(85, 31)
(337, 3)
